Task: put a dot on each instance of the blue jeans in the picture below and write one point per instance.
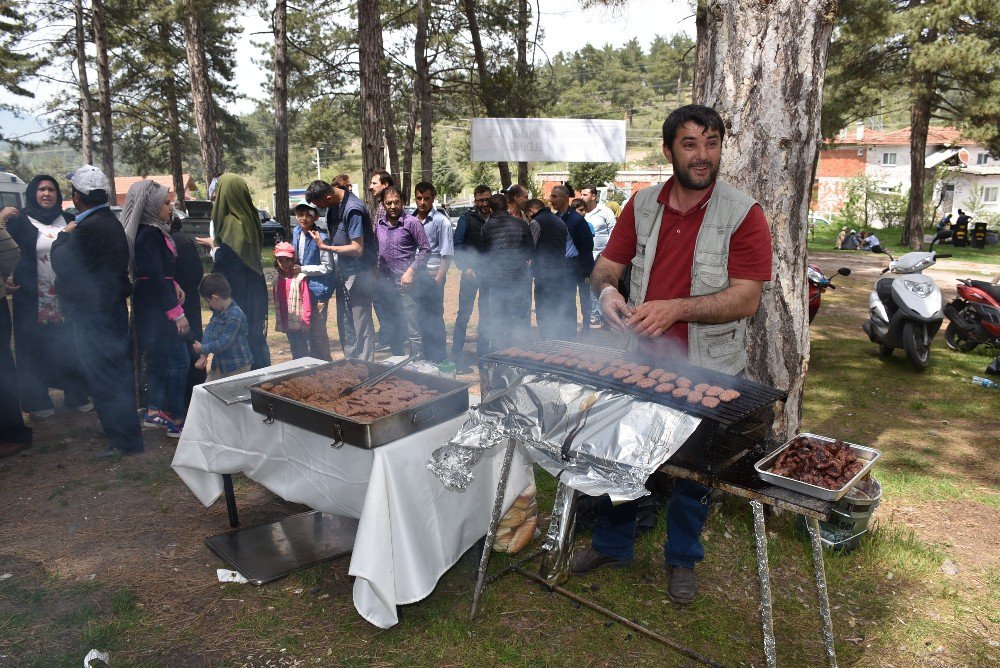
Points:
(614, 535)
(167, 367)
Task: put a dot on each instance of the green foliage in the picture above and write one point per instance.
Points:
(582, 174)
(447, 180)
(17, 65)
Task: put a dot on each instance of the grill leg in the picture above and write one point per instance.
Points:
(227, 488)
(484, 561)
(764, 576)
(824, 603)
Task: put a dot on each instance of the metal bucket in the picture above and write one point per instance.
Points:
(850, 516)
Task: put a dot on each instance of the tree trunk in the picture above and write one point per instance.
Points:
(522, 75)
(86, 132)
(175, 148)
(703, 32)
(281, 196)
(922, 85)
(486, 94)
(370, 53)
(408, 140)
(201, 91)
(764, 68)
(391, 146)
(104, 95)
(422, 90)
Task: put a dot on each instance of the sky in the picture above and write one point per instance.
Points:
(567, 28)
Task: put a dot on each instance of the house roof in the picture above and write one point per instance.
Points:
(870, 137)
(123, 183)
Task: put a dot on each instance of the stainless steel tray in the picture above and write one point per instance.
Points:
(453, 400)
(869, 455)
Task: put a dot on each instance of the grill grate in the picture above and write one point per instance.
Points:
(753, 395)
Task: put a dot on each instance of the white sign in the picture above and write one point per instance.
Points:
(547, 140)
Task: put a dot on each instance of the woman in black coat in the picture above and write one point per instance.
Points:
(43, 341)
(160, 323)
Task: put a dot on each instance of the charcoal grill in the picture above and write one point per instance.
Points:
(720, 454)
(727, 433)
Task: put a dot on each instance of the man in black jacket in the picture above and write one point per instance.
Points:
(582, 247)
(506, 269)
(555, 275)
(91, 258)
(468, 250)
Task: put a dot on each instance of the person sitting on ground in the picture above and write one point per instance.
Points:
(870, 242)
(226, 333)
(839, 243)
(851, 242)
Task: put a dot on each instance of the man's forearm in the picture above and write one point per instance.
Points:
(735, 302)
(605, 274)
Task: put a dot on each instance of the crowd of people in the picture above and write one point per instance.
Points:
(852, 240)
(70, 279)
(678, 273)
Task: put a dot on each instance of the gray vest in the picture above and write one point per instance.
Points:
(720, 347)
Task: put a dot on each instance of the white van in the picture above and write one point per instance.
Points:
(11, 191)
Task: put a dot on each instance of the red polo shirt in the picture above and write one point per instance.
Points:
(670, 278)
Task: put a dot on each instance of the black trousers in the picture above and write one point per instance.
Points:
(430, 304)
(12, 427)
(507, 304)
(555, 306)
(583, 285)
(103, 344)
(467, 291)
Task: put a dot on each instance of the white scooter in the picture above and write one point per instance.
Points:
(906, 307)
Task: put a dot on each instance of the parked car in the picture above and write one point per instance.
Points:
(411, 209)
(274, 233)
(457, 212)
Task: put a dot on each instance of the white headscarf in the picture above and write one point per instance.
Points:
(142, 207)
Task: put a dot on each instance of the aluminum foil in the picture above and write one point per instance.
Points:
(596, 441)
(558, 545)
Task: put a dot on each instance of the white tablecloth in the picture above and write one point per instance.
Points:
(411, 529)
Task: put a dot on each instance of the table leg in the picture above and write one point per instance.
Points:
(484, 561)
(824, 602)
(227, 487)
(764, 576)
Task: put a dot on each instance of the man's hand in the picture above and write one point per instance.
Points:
(7, 213)
(70, 227)
(205, 242)
(615, 310)
(201, 362)
(183, 329)
(196, 346)
(406, 280)
(655, 317)
(10, 287)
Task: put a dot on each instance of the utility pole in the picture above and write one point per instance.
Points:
(318, 177)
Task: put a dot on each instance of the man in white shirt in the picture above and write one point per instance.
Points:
(870, 242)
(601, 220)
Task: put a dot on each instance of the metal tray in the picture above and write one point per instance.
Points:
(870, 455)
(453, 400)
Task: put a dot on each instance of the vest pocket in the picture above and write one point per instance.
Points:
(723, 340)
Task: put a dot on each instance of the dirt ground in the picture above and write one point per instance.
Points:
(88, 542)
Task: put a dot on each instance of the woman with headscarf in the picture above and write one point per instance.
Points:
(160, 323)
(44, 347)
(236, 251)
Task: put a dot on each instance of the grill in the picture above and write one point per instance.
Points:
(727, 432)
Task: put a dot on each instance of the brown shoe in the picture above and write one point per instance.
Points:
(11, 449)
(590, 559)
(682, 586)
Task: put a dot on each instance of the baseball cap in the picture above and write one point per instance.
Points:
(88, 178)
(284, 249)
(307, 205)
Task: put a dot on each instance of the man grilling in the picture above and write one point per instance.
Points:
(700, 252)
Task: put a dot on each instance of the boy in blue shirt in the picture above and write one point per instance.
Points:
(226, 334)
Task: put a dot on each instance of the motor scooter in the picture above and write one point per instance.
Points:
(974, 316)
(905, 307)
(818, 284)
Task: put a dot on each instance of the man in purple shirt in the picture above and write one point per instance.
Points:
(402, 253)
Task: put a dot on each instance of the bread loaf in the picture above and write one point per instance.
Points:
(523, 535)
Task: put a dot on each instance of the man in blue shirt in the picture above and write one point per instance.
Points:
(352, 240)
(580, 244)
(430, 296)
(91, 260)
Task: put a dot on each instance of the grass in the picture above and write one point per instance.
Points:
(891, 603)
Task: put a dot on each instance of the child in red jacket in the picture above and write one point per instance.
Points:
(291, 300)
